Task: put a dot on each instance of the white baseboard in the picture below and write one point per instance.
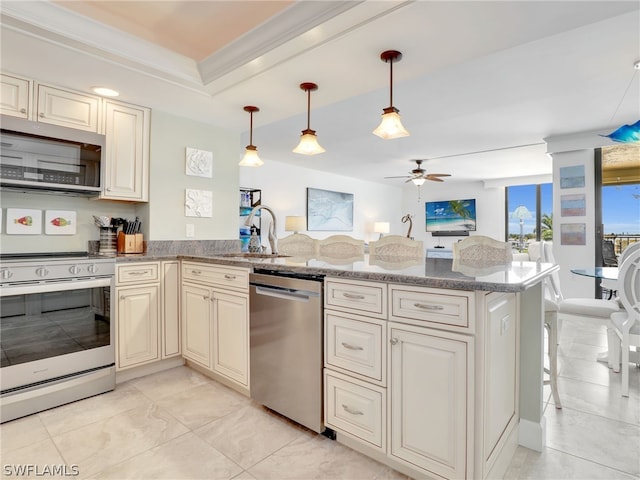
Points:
(155, 367)
(533, 435)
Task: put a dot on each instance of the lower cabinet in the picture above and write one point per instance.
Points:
(138, 319)
(147, 312)
(215, 321)
(429, 399)
(432, 389)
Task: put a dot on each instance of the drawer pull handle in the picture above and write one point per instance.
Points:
(139, 272)
(428, 307)
(348, 346)
(196, 272)
(205, 297)
(351, 411)
(393, 341)
(229, 277)
(353, 296)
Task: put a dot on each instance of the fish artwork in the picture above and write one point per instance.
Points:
(26, 220)
(60, 222)
(626, 133)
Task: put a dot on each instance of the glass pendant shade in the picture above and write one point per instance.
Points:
(308, 144)
(417, 181)
(391, 127)
(251, 158)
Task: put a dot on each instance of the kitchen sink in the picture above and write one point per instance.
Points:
(254, 255)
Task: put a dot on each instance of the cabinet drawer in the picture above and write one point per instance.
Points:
(137, 273)
(355, 408)
(420, 305)
(365, 298)
(356, 345)
(216, 275)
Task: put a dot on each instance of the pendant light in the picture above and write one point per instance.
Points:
(390, 127)
(251, 158)
(308, 141)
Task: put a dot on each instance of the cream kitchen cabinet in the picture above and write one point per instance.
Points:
(68, 108)
(147, 312)
(126, 166)
(355, 372)
(15, 96)
(431, 407)
(423, 379)
(215, 321)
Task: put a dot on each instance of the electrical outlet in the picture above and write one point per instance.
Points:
(191, 230)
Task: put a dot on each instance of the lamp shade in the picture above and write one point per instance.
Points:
(308, 144)
(391, 127)
(251, 158)
(381, 227)
(521, 212)
(295, 223)
(418, 181)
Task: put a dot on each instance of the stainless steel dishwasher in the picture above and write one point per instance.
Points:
(286, 344)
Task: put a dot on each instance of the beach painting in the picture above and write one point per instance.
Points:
(573, 205)
(572, 177)
(327, 210)
(573, 234)
(451, 216)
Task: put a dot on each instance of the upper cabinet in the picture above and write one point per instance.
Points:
(126, 169)
(68, 109)
(15, 96)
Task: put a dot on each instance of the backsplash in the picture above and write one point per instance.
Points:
(182, 247)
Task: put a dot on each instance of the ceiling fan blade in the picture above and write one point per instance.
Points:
(403, 176)
(434, 179)
(438, 175)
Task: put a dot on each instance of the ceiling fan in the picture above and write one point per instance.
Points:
(419, 175)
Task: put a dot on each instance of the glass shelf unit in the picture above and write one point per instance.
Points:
(249, 198)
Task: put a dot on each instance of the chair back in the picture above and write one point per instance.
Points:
(340, 246)
(480, 248)
(396, 246)
(297, 244)
(609, 254)
(629, 284)
(552, 285)
(632, 247)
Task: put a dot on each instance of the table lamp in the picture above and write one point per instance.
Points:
(295, 223)
(381, 228)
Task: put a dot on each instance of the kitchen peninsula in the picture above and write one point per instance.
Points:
(447, 379)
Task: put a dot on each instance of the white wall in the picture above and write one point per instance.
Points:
(164, 216)
(284, 189)
(489, 209)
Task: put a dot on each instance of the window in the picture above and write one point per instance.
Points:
(529, 214)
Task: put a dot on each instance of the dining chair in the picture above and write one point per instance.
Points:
(612, 285)
(624, 328)
(396, 245)
(558, 308)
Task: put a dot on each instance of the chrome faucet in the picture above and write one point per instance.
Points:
(273, 240)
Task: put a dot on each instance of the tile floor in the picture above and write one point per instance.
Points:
(179, 424)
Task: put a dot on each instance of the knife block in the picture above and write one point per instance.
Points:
(130, 243)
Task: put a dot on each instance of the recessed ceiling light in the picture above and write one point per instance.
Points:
(105, 92)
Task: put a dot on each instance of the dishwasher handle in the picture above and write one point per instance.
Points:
(284, 293)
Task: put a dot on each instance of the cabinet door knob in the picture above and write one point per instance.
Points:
(23, 110)
(393, 341)
(41, 114)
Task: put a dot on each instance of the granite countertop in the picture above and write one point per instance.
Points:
(428, 272)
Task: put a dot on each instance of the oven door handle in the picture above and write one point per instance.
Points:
(31, 288)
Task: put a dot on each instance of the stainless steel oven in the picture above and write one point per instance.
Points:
(56, 333)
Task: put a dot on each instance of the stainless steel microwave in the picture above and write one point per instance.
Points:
(39, 156)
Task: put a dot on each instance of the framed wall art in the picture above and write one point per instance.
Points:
(329, 211)
(198, 203)
(198, 163)
(573, 234)
(59, 222)
(572, 177)
(573, 205)
(23, 221)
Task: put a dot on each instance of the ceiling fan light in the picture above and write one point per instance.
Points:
(391, 127)
(308, 144)
(418, 181)
(251, 158)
